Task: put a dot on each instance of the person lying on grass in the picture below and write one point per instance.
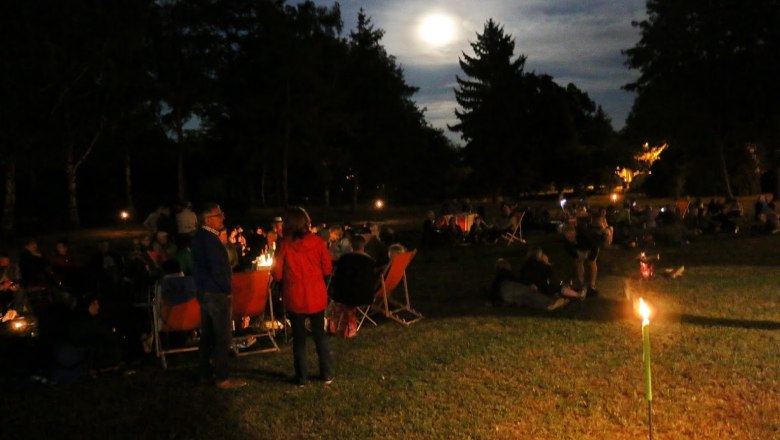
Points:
(507, 289)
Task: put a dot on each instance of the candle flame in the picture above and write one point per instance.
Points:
(644, 310)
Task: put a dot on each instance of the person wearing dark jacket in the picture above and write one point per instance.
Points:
(301, 265)
(213, 279)
(584, 249)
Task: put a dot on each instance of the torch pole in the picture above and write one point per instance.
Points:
(650, 418)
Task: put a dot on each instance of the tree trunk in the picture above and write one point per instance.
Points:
(129, 185)
(286, 147)
(724, 171)
(73, 207)
(10, 194)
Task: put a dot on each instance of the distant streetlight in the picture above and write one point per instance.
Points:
(379, 204)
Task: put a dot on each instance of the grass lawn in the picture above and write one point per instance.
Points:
(473, 371)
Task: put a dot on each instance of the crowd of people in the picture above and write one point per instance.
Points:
(92, 308)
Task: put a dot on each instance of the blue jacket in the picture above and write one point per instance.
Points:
(211, 267)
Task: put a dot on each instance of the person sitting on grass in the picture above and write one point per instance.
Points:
(508, 289)
(537, 272)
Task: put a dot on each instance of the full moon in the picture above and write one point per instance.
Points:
(437, 29)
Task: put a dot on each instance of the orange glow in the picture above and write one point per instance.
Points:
(644, 310)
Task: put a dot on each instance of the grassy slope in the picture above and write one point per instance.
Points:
(472, 371)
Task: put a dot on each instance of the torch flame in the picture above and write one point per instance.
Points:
(644, 310)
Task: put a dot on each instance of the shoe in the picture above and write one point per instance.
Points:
(228, 384)
(678, 273)
(329, 380)
(558, 303)
(299, 382)
(250, 341)
(592, 293)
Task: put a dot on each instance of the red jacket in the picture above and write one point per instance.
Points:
(301, 266)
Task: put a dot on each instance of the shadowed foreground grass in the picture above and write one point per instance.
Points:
(473, 371)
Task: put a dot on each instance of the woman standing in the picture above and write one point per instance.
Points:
(301, 264)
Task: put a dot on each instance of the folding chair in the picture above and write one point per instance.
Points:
(172, 318)
(517, 232)
(354, 284)
(682, 207)
(394, 274)
(251, 295)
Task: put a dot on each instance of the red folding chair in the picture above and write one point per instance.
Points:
(389, 300)
(173, 318)
(251, 296)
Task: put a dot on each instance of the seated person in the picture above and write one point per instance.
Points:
(508, 289)
(431, 235)
(338, 244)
(65, 269)
(537, 272)
(33, 267)
(453, 231)
(94, 338)
(479, 231)
(11, 296)
(374, 246)
(354, 283)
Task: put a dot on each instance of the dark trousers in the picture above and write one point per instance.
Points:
(216, 334)
(317, 321)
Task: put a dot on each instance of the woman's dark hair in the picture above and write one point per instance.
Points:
(297, 223)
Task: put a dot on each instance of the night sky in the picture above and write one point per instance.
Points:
(577, 41)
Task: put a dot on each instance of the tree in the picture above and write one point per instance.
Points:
(491, 100)
(523, 131)
(707, 85)
(186, 49)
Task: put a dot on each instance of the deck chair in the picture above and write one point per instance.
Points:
(385, 302)
(354, 284)
(517, 231)
(682, 207)
(168, 317)
(251, 295)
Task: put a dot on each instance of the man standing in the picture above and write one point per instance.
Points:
(581, 246)
(213, 278)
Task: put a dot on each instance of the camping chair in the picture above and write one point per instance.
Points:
(354, 284)
(383, 299)
(251, 294)
(173, 318)
(517, 232)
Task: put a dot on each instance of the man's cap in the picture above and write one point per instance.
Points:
(278, 220)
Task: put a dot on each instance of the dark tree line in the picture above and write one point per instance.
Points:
(708, 86)
(110, 105)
